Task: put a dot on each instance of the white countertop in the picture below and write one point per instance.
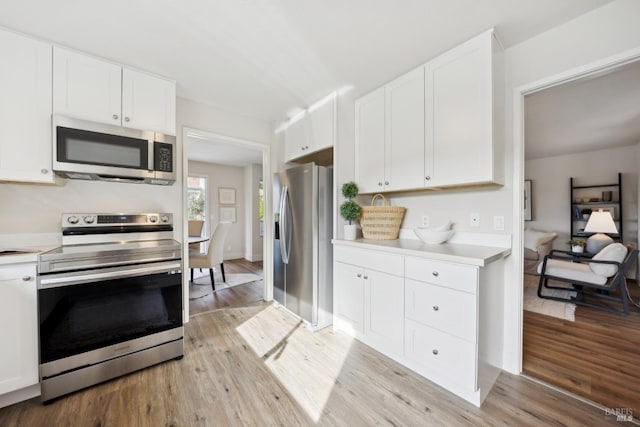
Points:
(453, 252)
(17, 258)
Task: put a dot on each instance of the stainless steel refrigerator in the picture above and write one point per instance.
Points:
(303, 255)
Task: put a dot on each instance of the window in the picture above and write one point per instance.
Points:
(261, 207)
(197, 197)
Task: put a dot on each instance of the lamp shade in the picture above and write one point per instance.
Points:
(601, 222)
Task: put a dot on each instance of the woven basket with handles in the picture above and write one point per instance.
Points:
(381, 222)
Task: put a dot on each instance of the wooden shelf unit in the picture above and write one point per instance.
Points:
(577, 223)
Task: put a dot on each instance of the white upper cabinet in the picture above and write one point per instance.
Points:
(93, 89)
(322, 124)
(312, 131)
(296, 138)
(461, 86)
(86, 87)
(148, 102)
(436, 125)
(369, 143)
(390, 135)
(404, 132)
(25, 109)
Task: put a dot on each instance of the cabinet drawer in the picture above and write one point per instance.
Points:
(445, 309)
(441, 354)
(455, 276)
(18, 271)
(371, 260)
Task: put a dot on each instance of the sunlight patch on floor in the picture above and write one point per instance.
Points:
(306, 363)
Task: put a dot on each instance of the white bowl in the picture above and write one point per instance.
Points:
(433, 237)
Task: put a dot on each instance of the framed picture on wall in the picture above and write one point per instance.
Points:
(228, 214)
(528, 199)
(227, 196)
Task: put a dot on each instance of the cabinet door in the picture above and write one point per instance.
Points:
(404, 127)
(86, 87)
(369, 143)
(18, 317)
(384, 312)
(296, 138)
(460, 82)
(25, 109)
(148, 102)
(348, 298)
(321, 120)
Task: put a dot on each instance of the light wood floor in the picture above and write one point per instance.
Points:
(597, 356)
(258, 366)
(230, 297)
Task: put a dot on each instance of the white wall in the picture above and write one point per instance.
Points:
(602, 33)
(36, 209)
(222, 176)
(27, 209)
(550, 176)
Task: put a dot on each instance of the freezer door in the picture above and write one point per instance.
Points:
(300, 206)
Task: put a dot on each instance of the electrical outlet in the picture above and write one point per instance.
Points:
(425, 220)
(498, 223)
(474, 220)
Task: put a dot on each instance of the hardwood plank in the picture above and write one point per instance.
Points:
(234, 296)
(595, 357)
(257, 365)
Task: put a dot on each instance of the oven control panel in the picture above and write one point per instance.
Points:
(124, 220)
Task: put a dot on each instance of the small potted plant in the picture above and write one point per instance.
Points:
(585, 213)
(577, 246)
(350, 210)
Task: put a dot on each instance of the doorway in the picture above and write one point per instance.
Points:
(231, 166)
(580, 356)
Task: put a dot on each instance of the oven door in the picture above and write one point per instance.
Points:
(88, 311)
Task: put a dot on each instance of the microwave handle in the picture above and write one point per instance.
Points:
(117, 179)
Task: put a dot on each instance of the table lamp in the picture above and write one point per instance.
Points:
(599, 222)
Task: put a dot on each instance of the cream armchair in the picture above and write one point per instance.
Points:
(215, 253)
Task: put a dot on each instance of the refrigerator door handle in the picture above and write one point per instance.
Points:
(284, 229)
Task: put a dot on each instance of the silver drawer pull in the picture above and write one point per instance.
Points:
(127, 119)
(366, 277)
(115, 117)
(435, 273)
(380, 184)
(436, 308)
(358, 275)
(427, 178)
(26, 278)
(435, 351)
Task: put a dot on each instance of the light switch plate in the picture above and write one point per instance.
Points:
(498, 223)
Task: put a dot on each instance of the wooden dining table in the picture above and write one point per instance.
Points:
(197, 239)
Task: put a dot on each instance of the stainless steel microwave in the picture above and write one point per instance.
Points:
(97, 151)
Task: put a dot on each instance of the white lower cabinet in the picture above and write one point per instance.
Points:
(369, 300)
(383, 312)
(19, 335)
(428, 315)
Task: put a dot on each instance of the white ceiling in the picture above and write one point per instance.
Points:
(266, 59)
(209, 149)
(592, 113)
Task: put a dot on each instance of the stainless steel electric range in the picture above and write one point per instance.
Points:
(109, 299)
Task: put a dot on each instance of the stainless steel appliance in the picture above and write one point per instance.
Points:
(303, 197)
(97, 151)
(109, 299)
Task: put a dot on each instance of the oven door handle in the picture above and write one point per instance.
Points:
(79, 278)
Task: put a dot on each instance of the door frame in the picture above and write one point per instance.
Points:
(267, 248)
(519, 93)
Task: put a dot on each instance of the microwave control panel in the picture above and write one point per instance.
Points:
(163, 157)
